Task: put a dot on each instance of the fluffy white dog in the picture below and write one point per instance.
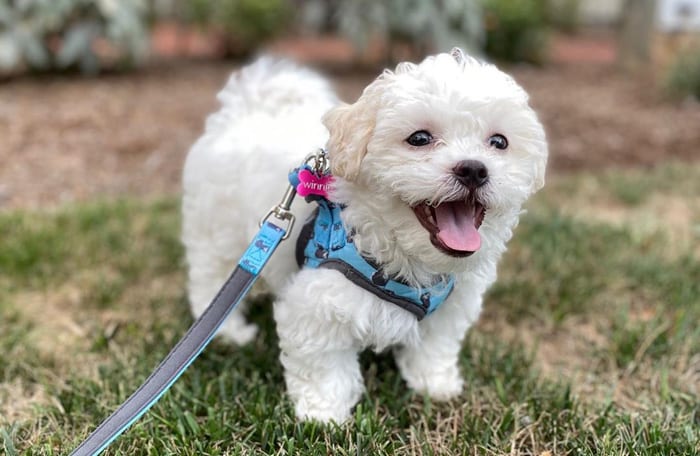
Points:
(431, 165)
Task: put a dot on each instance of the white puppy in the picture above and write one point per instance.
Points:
(432, 165)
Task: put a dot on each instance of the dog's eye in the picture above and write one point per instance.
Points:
(420, 138)
(498, 141)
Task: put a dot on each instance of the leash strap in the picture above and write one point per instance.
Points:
(191, 345)
(202, 331)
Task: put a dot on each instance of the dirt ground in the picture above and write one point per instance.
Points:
(70, 139)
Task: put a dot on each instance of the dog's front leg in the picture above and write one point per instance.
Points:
(318, 348)
(431, 366)
(323, 386)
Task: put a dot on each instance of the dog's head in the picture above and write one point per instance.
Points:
(446, 147)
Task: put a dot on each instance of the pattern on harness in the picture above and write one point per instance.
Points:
(324, 243)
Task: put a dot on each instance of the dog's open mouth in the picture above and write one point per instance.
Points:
(453, 225)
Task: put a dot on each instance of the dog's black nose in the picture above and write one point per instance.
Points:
(471, 173)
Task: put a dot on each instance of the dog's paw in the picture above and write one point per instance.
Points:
(440, 384)
(442, 388)
(238, 333)
(438, 387)
(323, 413)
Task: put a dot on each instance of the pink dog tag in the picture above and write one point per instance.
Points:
(311, 184)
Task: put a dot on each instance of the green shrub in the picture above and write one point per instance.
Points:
(244, 24)
(66, 34)
(516, 30)
(563, 15)
(422, 26)
(683, 79)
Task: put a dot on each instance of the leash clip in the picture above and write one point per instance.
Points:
(318, 162)
(282, 211)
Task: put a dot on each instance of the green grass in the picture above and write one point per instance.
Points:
(588, 344)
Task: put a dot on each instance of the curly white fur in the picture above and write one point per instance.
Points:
(270, 119)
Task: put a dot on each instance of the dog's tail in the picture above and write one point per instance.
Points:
(268, 86)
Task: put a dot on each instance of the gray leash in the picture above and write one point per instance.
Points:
(203, 330)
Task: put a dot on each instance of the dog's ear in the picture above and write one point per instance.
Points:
(350, 128)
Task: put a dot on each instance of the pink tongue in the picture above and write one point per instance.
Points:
(458, 226)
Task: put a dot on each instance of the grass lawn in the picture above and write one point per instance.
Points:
(589, 343)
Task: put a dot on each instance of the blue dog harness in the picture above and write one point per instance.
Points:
(325, 243)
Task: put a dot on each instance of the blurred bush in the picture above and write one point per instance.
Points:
(241, 24)
(418, 26)
(516, 30)
(506, 30)
(563, 15)
(683, 79)
(66, 34)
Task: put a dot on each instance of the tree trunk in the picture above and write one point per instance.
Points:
(636, 31)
